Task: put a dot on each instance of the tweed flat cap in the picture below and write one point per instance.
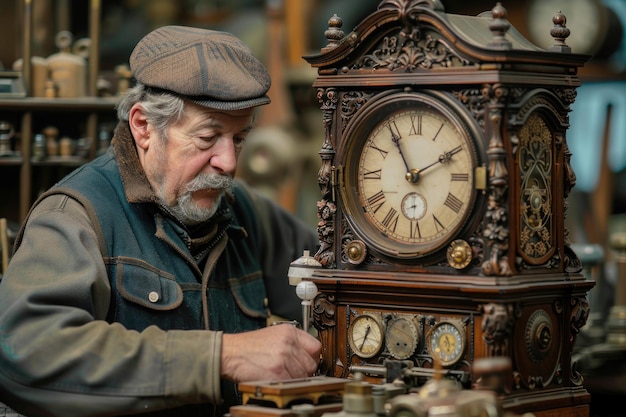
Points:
(211, 68)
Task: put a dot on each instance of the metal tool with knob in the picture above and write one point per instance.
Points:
(307, 291)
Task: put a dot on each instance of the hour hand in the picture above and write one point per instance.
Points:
(445, 157)
(413, 175)
(367, 331)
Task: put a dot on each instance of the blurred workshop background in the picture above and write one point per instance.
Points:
(283, 158)
(281, 155)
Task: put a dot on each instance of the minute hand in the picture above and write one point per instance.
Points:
(396, 141)
(443, 158)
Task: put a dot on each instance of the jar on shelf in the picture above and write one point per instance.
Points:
(40, 74)
(104, 139)
(68, 71)
(52, 146)
(66, 146)
(6, 134)
(39, 146)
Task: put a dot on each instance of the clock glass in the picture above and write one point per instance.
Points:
(413, 174)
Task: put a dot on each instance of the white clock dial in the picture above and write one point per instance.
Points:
(413, 172)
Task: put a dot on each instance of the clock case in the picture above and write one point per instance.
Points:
(522, 296)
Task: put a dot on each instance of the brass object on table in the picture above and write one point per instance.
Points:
(302, 410)
(283, 393)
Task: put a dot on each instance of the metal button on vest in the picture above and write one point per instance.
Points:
(153, 296)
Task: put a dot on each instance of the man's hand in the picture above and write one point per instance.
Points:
(273, 353)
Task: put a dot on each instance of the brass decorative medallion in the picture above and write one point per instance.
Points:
(535, 164)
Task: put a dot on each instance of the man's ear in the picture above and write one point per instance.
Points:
(139, 126)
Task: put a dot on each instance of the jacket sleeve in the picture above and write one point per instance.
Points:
(58, 355)
(284, 238)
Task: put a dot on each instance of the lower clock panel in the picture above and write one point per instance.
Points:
(423, 339)
(390, 327)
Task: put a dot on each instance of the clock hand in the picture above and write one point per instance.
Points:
(414, 174)
(367, 331)
(396, 140)
(413, 206)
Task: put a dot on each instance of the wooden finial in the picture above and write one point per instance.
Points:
(499, 26)
(334, 34)
(560, 32)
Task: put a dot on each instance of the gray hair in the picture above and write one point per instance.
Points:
(162, 109)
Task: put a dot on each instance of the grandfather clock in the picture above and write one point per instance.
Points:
(445, 175)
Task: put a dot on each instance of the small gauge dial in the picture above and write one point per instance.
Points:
(446, 342)
(365, 336)
(401, 337)
(414, 206)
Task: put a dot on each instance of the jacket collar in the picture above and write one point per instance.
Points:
(136, 184)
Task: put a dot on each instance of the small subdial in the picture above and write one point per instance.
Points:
(365, 336)
(414, 206)
(401, 337)
(446, 342)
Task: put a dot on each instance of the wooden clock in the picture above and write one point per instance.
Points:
(445, 175)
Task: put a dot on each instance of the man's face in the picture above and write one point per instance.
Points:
(195, 166)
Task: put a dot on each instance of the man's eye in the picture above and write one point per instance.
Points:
(205, 142)
(239, 140)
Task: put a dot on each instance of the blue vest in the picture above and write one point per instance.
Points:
(153, 276)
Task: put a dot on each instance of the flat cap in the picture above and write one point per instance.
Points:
(212, 68)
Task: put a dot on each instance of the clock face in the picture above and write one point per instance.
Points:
(410, 178)
(401, 337)
(365, 336)
(446, 342)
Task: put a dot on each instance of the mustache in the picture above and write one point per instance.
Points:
(210, 181)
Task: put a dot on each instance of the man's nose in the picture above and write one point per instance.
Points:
(224, 157)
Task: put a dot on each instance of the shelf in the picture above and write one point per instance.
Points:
(84, 114)
(77, 118)
(69, 161)
(81, 104)
(11, 160)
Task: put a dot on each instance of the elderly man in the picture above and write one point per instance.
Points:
(142, 282)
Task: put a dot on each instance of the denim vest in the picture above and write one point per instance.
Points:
(153, 276)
